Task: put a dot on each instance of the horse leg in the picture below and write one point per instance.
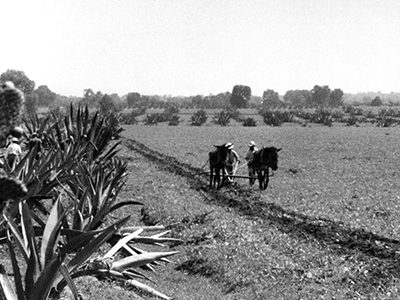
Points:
(260, 178)
(211, 177)
(266, 178)
(219, 178)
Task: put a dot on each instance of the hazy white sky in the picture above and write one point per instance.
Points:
(190, 47)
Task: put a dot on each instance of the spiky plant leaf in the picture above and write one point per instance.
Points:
(139, 260)
(6, 286)
(51, 234)
(122, 242)
(147, 289)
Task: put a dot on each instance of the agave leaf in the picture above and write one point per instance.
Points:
(16, 270)
(33, 268)
(51, 234)
(147, 289)
(19, 240)
(155, 241)
(79, 241)
(44, 283)
(6, 286)
(122, 242)
(69, 280)
(135, 274)
(123, 203)
(90, 248)
(160, 234)
(139, 260)
(147, 228)
(111, 152)
(134, 251)
(140, 251)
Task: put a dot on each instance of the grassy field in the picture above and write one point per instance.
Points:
(326, 227)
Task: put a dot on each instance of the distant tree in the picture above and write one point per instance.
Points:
(91, 99)
(31, 104)
(270, 97)
(222, 100)
(336, 98)
(320, 95)
(20, 80)
(297, 97)
(133, 99)
(377, 101)
(367, 100)
(107, 104)
(241, 95)
(45, 96)
(197, 101)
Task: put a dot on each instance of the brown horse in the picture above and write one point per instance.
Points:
(217, 159)
(265, 158)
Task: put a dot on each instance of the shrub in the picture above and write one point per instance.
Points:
(369, 114)
(352, 120)
(152, 119)
(131, 118)
(222, 117)
(235, 114)
(323, 116)
(173, 120)
(249, 122)
(199, 118)
(385, 121)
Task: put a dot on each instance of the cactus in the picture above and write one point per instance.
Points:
(11, 100)
(11, 188)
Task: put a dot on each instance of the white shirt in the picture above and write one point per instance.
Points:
(14, 148)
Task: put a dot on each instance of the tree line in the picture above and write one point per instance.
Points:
(240, 97)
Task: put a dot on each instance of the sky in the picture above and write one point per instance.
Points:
(202, 47)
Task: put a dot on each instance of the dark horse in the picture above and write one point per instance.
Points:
(217, 159)
(263, 159)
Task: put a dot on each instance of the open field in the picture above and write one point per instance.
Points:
(327, 227)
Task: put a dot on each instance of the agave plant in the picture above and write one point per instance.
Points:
(173, 120)
(222, 117)
(50, 247)
(249, 122)
(272, 118)
(199, 118)
(52, 261)
(152, 119)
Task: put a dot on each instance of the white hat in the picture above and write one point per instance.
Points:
(14, 139)
(229, 145)
(252, 144)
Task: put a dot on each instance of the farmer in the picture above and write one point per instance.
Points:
(232, 160)
(13, 152)
(34, 141)
(249, 156)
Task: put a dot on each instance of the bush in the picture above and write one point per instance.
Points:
(152, 119)
(249, 122)
(199, 118)
(222, 117)
(385, 121)
(173, 120)
(352, 120)
(323, 116)
(131, 118)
